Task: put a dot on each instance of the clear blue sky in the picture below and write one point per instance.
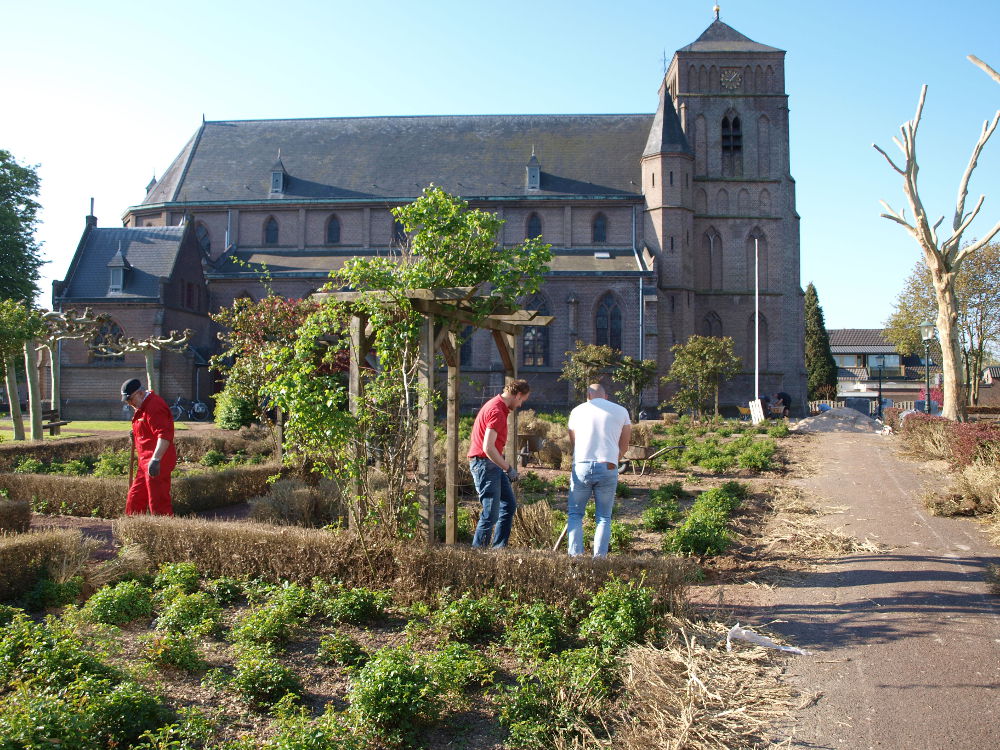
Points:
(103, 94)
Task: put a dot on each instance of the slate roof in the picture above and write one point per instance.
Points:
(991, 373)
(721, 37)
(313, 263)
(859, 341)
(666, 135)
(368, 158)
(151, 253)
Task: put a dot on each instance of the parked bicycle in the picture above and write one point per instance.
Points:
(193, 410)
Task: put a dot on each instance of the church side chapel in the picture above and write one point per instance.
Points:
(662, 225)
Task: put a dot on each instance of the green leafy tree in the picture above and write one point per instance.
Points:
(821, 369)
(587, 364)
(19, 326)
(448, 245)
(977, 292)
(19, 253)
(701, 366)
(633, 376)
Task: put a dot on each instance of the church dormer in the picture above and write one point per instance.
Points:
(118, 267)
(533, 172)
(279, 177)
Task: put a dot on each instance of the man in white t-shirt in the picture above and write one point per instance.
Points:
(599, 432)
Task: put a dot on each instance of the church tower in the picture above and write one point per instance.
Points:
(739, 224)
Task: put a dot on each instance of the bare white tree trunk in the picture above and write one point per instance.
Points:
(944, 258)
(34, 391)
(14, 397)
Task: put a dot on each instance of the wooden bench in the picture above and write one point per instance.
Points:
(52, 423)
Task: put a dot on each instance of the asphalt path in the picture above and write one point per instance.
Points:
(906, 644)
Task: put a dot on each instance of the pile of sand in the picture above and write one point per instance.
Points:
(840, 419)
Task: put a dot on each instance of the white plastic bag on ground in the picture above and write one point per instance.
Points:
(742, 634)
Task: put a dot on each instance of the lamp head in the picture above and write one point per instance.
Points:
(927, 332)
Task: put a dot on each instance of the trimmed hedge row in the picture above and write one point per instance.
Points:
(415, 571)
(24, 558)
(189, 448)
(960, 443)
(104, 497)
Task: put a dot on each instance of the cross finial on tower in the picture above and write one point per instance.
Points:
(664, 62)
(716, 9)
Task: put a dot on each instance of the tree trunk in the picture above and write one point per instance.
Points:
(34, 392)
(951, 354)
(55, 376)
(152, 376)
(14, 397)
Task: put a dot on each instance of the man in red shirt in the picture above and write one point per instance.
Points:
(490, 470)
(153, 436)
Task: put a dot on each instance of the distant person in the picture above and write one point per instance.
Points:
(599, 432)
(491, 472)
(153, 438)
(785, 401)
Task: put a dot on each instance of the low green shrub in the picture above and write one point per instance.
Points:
(561, 702)
(357, 606)
(538, 629)
(266, 626)
(48, 593)
(112, 464)
(718, 464)
(224, 590)
(717, 499)
(195, 614)
(778, 430)
(459, 666)
(560, 482)
(173, 650)
(669, 491)
(758, 457)
(662, 515)
(122, 603)
(193, 729)
(213, 458)
(75, 467)
(623, 490)
(340, 650)
(29, 465)
(185, 575)
(394, 696)
(467, 618)
(232, 411)
(622, 537)
(622, 613)
(702, 533)
(261, 680)
(531, 482)
(29, 557)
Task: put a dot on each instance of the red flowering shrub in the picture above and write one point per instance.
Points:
(970, 441)
(890, 417)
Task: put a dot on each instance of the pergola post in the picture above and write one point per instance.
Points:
(425, 422)
(355, 391)
(509, 346)
(452, 354)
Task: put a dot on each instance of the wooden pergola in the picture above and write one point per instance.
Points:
(445, 313)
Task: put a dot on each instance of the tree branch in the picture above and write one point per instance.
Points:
(887, 158)
(963, 186)
(986, 68)
(973, 247)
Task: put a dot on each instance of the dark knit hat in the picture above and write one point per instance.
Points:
(129, 387)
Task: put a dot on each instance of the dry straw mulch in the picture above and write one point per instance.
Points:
(58, 553)
(692, 694)
(414, 570)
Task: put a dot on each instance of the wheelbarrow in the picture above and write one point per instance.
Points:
(643, 454)
(528, 448)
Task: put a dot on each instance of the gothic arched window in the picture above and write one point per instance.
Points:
(203, 237)
(599, 230)
(535, 346)
(271, 231)
(107, 334)
(732, 146)
(608, 322)
(711, 325)
(533, 227)
(333, 231)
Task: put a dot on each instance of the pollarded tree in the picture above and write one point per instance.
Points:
(633, 375)
(64, 325)
(149, 347)
(700, 368)
(944, 258)
(19, 253)
(977, 291)
(821, 369)
(587, 364)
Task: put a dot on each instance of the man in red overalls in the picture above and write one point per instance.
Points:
(153, 435)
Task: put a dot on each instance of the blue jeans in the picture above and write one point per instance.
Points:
(497, 496)
(591, 477)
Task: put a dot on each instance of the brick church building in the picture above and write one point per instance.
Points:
(654, 220)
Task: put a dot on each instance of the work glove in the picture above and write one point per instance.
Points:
(512, 473)
(153, 467)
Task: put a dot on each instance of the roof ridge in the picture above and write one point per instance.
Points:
(417, 117)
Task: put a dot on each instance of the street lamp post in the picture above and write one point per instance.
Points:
(880, 363)
(927, 332)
